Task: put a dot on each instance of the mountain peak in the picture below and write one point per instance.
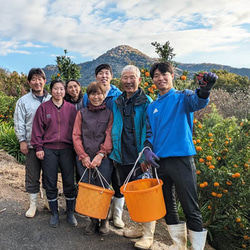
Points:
(123, 55)
(124, 50)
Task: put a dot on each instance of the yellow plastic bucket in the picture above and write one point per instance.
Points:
(144, 199)
(93, 201)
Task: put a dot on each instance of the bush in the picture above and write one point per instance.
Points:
(7, 107)
(9, 142)
(223, 176)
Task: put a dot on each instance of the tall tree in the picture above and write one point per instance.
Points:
(67, 68)
(165, 52)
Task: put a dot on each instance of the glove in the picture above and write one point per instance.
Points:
(209, 79)
(206, 84)
(150, 158)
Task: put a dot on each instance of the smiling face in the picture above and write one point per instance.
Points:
(130, 82)
(37, 83)
(97, 98)
(104, 77)
(58, 92)
(163, 81)
(73, 89)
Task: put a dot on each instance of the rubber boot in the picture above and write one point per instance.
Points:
(45, 200)
(92, 227)
(197, 239)
(104, 227)
(32, 209)
(147, 239)
(54, 219)
(178, 233)
(117, 212)
(70, 205)
(134, 232)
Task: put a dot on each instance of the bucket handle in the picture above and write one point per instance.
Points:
(101, 177)
(132, 170)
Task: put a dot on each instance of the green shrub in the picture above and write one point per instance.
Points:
(222, 162)
(7, 107)
(9, 142)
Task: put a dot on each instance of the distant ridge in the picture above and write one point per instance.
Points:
(123, 55)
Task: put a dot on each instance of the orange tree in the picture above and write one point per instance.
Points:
(147, 84)
(223, 178)
(7, 107)
(151, 90)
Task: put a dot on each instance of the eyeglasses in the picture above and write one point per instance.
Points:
(96, 94)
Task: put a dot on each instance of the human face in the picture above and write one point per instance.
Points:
(58, 92)
(73, 89)
(37, 83)
(96, 99)
(104, 76)
(163, 81)
(130, 82)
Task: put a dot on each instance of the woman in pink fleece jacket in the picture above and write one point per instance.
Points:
(52, 139)
(92, 143)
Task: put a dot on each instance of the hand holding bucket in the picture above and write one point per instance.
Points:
(92, 200)
(144, 197)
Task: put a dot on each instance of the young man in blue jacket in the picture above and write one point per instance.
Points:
(103, 75)
(169, 136)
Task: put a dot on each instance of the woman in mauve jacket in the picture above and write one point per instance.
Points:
(52, 139)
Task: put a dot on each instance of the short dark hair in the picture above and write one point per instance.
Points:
(103, 66)
(36, 71)
(73, 80)
(56, 81)
(94, 87)
(163, 67)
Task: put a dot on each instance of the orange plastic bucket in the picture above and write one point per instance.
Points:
(144, 199)
(93, 201)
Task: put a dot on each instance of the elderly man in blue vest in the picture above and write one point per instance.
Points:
(128, 135)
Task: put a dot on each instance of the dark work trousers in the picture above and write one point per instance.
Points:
(179, 173)
(33, 168)
(91, 175)
(119, 175)
(53, 159)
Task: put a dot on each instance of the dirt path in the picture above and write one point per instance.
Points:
(18, 232)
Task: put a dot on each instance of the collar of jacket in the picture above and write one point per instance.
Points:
(68, 98)
(94, 108)
(141, 98)
(45, 92)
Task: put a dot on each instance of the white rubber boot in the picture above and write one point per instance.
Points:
(178, 233)
(133, 232)
(197, 239)
(32, 209)
(147, 239)
(117, 212)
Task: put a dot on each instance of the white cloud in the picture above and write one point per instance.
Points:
(10, 47)
(32, 45)
(93, 27)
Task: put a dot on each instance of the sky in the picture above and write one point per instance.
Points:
(33, 33)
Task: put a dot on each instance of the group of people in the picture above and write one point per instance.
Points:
(105, 130)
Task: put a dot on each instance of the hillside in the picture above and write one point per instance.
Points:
(123, 55)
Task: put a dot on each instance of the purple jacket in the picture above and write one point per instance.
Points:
(52, 127)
